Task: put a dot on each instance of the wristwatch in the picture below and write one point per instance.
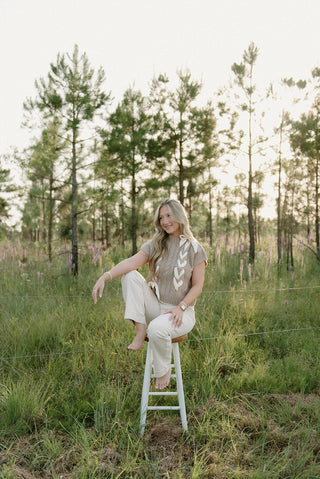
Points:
(183, 306)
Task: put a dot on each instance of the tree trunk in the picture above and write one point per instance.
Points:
(122, 215)
(74, 208)
(50, 225)
(250, 214)
(308, 215)
(317, 209)
(250, 182)
(43, 232)
(279, 199)
(133, 216)
(181, 195)
(93, 229)
(210, 217)
(291, 228)
(133, 202)
(107, 225)
(181, 172)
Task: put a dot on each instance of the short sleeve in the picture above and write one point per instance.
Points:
(148, 248)
(200, 256)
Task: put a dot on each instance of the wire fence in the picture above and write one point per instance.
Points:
(120, 348)
(233, 291)
(213, 338)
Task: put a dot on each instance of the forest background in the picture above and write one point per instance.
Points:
(239, 154)
(99, 175)
(78, 193)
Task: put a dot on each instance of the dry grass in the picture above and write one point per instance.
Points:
(249, 433)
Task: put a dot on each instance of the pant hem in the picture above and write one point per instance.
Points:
(136, 321)
(159, 375)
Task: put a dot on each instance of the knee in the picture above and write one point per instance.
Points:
(131, 276)
(158, 329)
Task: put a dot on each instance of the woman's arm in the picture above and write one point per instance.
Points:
(196, 283)
(196, 288)
(129, 264)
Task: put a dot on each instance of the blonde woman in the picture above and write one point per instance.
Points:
(162, 307)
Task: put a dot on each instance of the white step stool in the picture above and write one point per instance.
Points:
(179, 392)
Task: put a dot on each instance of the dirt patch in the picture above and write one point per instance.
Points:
(164, 433)
(67, 461)
(20, 473)
(166, 444)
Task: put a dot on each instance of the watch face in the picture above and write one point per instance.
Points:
(183, 307)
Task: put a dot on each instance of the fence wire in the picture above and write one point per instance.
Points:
(120, 348)
(247, 290)
(115, 349)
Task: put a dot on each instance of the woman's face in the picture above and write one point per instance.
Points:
(167, 223)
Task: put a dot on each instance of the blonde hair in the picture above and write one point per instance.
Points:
(160, 237)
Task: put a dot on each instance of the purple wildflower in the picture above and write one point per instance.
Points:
(241, 270)
(96, 257)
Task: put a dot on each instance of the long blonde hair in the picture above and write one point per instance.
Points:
(160, 237)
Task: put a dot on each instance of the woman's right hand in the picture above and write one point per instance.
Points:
(99, 287)
(126, 265)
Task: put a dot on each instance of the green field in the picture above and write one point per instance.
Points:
(70, 390)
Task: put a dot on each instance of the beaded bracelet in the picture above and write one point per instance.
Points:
(110, 275)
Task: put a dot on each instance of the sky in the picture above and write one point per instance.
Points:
(133, 40)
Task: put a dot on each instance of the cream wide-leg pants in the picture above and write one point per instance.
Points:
(142, 306)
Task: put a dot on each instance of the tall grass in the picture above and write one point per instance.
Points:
(70, 390)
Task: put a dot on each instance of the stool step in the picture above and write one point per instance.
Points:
(163, 408)
(164, 394)
(172, 376)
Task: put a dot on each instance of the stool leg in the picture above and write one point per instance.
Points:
(177, 364)
(145, 390)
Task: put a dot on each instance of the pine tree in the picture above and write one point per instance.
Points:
(73, 93)
(305, 140)
(6, 187)
(127, 143)
(41, 164)
(183, 144)
(244, 79)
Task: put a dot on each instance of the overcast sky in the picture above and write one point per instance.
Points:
(135, 39)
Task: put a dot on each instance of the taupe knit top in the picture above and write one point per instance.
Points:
(174, 268)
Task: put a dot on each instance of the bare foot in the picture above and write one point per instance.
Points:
(163, 381)
(138, 341)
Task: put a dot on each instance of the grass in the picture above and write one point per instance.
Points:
(70, 390)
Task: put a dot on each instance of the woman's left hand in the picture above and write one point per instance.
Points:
(176, 316)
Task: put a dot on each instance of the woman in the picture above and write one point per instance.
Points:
(163, 307)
